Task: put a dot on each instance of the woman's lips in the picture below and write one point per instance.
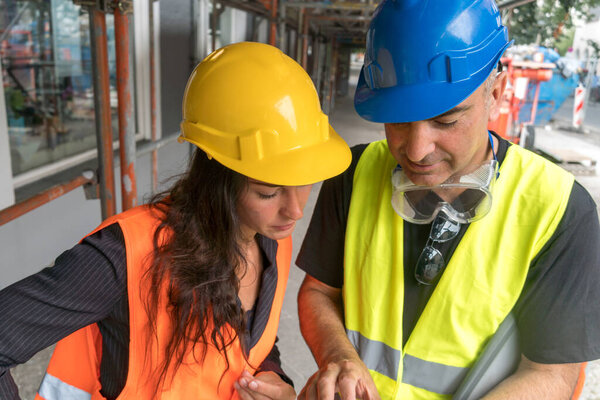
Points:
(285, 227)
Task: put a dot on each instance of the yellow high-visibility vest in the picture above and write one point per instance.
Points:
(479, 287)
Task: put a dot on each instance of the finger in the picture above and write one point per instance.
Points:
(326, 384)
(305, 392)
(347, 386)
(370, 395)
(243, 393)
(251, 394)
(270, 390)
(367, 391)
(309, 392)
(312, 393)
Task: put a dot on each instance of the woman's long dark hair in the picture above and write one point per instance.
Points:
(198, 261)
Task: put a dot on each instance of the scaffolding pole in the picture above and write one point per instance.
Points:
(125, 110)
(319, 62)
(273, 24)
(298, 44)
(21, 208)
(305, 26)
(214, 18)
(153, 103)
(282, 40)
(153, 127)
(327, 81)
(101, 82)
(333, 74)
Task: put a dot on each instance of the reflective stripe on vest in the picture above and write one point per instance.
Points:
(479, 287)
(77, 357)
(53, 388)
(434, 377)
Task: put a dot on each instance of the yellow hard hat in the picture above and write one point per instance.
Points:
(256, 111)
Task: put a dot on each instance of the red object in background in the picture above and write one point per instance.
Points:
(578, 106)
(507, 124)
(266, 3)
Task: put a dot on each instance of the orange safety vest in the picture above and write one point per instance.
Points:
(74, 370)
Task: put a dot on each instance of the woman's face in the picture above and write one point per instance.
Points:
(271, 210)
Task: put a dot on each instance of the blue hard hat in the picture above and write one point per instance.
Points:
(424, 57)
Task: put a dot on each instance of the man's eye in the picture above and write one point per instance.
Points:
(446, 124)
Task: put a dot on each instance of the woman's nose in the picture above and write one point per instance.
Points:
(292, 208)
(295, 199)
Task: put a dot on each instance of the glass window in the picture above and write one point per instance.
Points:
(47, 78)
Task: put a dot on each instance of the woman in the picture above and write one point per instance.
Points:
(181, 298)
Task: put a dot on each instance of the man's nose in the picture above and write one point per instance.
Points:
(420, 141)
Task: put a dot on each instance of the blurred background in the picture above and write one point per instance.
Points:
(90, 104)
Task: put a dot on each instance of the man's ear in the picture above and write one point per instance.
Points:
(495, 95)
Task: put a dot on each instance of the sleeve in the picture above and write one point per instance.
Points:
(558, 314)
(273, 363)
(322, 252)
(82, 287)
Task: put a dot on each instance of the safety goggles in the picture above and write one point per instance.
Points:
(464, 198)
(431, 262)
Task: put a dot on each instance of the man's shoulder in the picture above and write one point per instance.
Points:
(372, 154)
(357, 151)
(581, 205)
(526, 166)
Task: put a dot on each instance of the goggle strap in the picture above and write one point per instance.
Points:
(493, 151)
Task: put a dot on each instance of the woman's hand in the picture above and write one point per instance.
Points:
(264, 386)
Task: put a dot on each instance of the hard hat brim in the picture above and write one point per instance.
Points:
(304, 165)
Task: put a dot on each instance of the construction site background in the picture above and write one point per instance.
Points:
(49, 128)
(296, 358)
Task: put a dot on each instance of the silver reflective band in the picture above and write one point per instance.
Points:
(53, 388)
(377, 356)
(431, 376)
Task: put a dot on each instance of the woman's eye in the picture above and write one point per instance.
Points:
(267, 195)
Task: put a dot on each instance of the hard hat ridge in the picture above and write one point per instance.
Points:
(423, 58)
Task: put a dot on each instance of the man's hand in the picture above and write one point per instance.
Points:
(349, 378)
(340, 368)
(264, 386)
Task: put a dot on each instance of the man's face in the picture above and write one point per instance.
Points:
(453, 143)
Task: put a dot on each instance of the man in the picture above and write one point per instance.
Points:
(424, 246)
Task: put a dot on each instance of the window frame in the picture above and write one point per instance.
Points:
(141, 88)
(7, 194)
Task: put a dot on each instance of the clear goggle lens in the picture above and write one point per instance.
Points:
(465, 198)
